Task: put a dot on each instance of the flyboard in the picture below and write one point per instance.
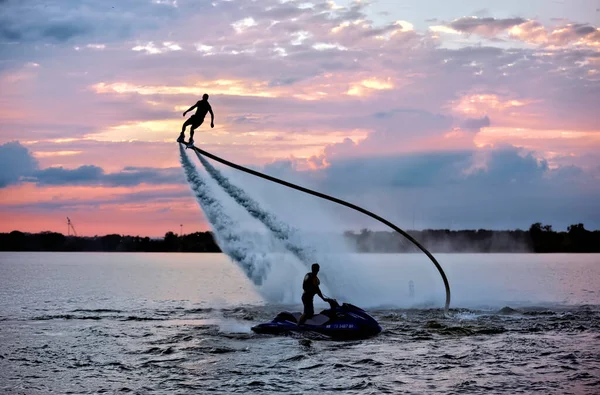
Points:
(187, 144)
(335, 200)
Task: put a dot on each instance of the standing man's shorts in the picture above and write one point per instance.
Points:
(309, 309)
(196, 120)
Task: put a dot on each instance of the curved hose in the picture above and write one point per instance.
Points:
(338, 201)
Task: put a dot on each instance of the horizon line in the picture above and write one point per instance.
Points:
(343, 232)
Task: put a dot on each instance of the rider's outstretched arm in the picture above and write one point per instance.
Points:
(190, 109)
(212, 117)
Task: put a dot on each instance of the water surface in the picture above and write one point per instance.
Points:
(180, 323)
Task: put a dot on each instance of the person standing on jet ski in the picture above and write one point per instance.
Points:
(310, 285)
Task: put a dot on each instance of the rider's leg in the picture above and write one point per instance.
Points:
(309, 310)
(192, 130)
(182, 135)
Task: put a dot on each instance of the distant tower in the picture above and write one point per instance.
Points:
(70, 228)
(180, 230)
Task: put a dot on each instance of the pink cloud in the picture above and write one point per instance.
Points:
(576, 34)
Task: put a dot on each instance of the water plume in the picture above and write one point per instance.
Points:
(281, 230)
(292, 238)
(256, 265)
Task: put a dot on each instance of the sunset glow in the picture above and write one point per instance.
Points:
(354, 98)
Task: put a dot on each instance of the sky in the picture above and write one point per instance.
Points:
(440, 114)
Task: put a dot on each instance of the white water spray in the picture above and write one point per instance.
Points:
(344, 275)
(292, 238)
(287, 234)
(256, 265)
(277, 276)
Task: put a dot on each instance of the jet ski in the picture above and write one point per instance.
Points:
(338, 322)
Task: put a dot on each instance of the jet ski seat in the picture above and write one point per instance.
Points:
(289, 316)
(318, 319)
(297, 316)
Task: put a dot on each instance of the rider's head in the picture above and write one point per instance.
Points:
(315, 268)
(205, 97)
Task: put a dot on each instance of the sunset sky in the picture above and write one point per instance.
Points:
(460, 114)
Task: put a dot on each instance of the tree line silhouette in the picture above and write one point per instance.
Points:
(539, 238)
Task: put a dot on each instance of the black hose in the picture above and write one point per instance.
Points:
(338, 201)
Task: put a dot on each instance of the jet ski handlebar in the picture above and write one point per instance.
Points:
(332, 302)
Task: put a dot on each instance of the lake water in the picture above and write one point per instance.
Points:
(180, 323)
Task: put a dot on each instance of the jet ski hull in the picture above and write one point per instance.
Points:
(339, 322)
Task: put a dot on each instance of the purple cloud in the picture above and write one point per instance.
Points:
(488, 27)
(94, 175)
(495, 188)
(18, 165)
(15, 162)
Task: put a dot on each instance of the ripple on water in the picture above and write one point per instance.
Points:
(529, 350)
